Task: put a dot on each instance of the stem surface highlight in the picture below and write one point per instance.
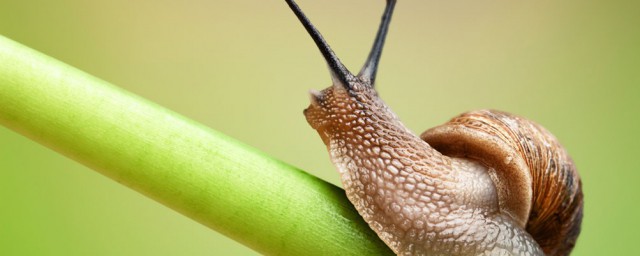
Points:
(266, 204)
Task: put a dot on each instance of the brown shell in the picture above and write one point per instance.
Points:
(537, 182)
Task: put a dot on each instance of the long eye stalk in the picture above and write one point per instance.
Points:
(370, 68)
(338, 70)
(339, 73)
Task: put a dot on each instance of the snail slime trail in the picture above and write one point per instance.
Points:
(484, 183)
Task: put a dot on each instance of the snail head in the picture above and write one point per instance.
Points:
(336, 107)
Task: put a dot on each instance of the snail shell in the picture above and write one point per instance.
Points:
(538, 184)
(485, 183)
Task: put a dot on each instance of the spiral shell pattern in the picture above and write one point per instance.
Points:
(524, 152)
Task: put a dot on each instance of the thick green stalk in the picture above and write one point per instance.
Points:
(265, 204)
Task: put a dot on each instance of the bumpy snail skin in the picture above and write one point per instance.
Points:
(485, 183)
(419, 201)
(554, 212)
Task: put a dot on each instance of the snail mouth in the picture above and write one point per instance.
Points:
(317, 122)
(317, 115)
(313, 116)
(315, 112)
(316, 99)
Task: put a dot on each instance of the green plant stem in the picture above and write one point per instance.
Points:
(265, 204)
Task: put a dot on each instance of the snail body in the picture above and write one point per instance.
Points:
(484, 183)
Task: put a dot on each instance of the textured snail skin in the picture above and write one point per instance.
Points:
(555, 205)
(485, 183)
(419, 201)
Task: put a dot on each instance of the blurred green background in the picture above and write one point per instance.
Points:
(244, 68)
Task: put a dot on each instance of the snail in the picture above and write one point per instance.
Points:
(484, 183)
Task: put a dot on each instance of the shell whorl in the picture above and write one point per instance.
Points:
(527, 163)
(419, 201)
